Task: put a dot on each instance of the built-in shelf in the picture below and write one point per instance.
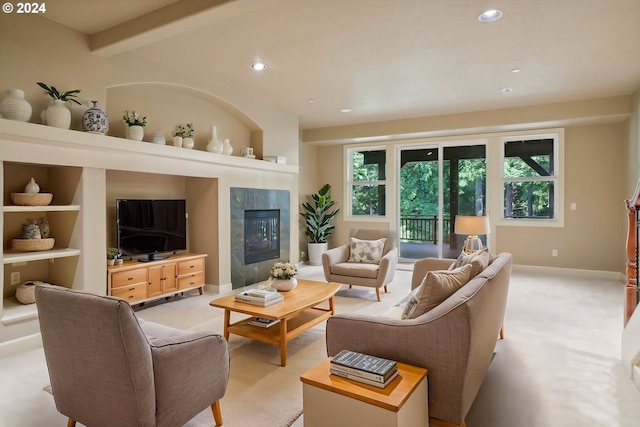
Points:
(13, 257)
(15, 312)
(49, 208)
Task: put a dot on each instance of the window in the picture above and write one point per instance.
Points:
(366, 181)
(531, 180)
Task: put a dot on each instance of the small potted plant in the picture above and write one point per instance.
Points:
(57, 114)
(282, 275)
(112, 255)
(183, 135)
(136, 123)
(319, 223)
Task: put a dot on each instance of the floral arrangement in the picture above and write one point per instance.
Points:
(134, 119)
(185, 131)
(283, 270)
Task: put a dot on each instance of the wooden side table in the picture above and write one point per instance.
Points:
(330, 400)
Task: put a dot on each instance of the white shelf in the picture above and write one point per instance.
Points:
(48, 208)
(12, 257)
(15, 312)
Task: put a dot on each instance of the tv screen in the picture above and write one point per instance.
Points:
(149, 227)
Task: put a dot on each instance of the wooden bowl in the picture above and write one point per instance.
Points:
(31, 199)
(32, 245)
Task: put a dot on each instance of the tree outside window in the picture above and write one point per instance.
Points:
(367, 186)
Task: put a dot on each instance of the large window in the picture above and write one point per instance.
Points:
(531, 179)
(367, 181)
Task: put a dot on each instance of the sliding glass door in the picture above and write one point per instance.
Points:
(437, 183)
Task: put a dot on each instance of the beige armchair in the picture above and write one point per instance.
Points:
(338, 269)
(108, 369)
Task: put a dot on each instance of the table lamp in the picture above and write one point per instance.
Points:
(472, 226)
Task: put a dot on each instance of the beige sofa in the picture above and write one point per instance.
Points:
(455, 341)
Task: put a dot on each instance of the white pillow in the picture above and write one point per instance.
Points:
(366, 251)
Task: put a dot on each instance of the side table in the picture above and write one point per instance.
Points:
(330, 400)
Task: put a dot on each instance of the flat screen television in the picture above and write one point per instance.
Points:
(148, 227)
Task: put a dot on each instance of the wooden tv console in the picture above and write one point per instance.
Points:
(138, 282)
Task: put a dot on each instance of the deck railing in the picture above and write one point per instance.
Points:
(423, 228)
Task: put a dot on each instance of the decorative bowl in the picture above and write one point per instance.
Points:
(32, 245)
(31, 199)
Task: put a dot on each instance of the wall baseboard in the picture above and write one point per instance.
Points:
(574, 272)
(20, 345)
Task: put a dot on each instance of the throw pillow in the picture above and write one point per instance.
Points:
(478, 260)
(436, 287)
(366, 251)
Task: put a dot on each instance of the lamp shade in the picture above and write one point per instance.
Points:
(472, 225)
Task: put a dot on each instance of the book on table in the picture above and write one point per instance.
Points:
(263, 322)
(365, 366)
(364, 380)
(250, 298)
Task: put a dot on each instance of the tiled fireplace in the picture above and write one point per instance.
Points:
(260, 236)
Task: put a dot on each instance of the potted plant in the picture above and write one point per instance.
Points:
(282, 275)
(112, 255)
(183, 135)
(319, 223)
(136, 123)
(57, 114)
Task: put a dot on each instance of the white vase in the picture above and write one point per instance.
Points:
(284, 284)
(188, 142)
(94, 120)
(158, 138)
(57, 115)
(135, 132)
(177, 141)
(15, 107)
(214, 145)
(227, 148)
(315, 252)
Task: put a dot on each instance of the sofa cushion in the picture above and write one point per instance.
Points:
(436, 287)
(355, 269)
(478, 260)
(366, 251)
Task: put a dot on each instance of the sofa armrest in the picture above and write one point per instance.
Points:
(334, 256)
(190, 373)
(387, 267)
(423, 266)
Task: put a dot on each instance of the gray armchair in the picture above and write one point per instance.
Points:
(108, 369)
(338, 269)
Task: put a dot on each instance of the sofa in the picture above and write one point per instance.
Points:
(455, 340)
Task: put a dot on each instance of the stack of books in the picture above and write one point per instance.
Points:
(263, 322)
(262, 297)
(366, 369)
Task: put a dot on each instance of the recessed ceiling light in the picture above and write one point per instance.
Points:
(311, 101)
(258, 66)
(346, 110)
(490, 15)
(504, 90)
(515, 70)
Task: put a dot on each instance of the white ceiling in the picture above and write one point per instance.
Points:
(385, 59)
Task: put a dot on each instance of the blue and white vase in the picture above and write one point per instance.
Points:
(94, 120)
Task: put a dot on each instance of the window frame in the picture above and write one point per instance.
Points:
(557, 178)
(348, 194)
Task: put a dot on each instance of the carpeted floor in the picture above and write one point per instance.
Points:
(558, 366)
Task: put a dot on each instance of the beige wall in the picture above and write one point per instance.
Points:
(593, 235)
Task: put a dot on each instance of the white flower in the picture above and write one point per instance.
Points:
(283, 270)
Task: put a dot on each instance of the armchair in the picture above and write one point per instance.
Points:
(108, 369)
(338, 269)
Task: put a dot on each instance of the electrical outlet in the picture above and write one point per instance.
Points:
(554, 252)
(15, 277)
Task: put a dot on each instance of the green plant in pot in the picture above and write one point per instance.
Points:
(112, 255)
(57, 114)
(319, 222)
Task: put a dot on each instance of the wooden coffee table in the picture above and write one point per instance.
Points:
(298, 313)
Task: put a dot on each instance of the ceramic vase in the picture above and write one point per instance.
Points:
(158, 138)
(177, 141)
(94, 120)
(188, 142)
(135, 132)
(214, 145)
(284, 284)
(57, 115)
(227, 148)
(15, 107)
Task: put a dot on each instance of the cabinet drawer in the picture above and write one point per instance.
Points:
(130, 277)
(131, 293)
(191, 266)
(191, 280)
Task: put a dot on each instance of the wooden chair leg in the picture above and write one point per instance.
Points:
(71, 423)
(502, 332)
(217, 415)
(378, 294)
(350, 286)
(440, 423)
(386, 291)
